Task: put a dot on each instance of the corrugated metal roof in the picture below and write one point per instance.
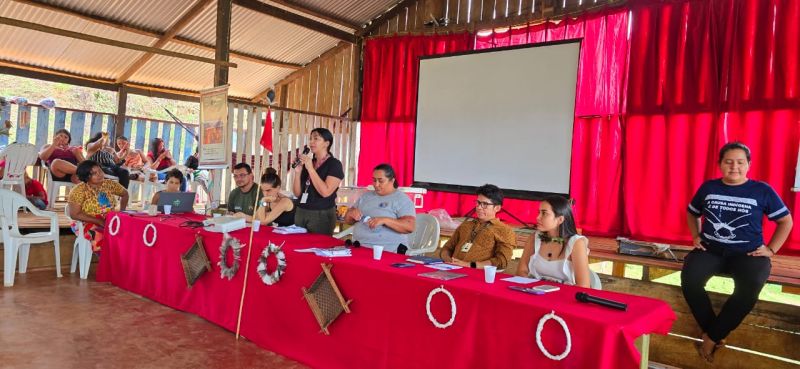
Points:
(353, 11)
(251, 33)
(134, 12)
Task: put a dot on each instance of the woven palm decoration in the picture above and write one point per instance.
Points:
(325, 299)
(195, 261)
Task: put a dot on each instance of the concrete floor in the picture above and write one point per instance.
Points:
(49, 322)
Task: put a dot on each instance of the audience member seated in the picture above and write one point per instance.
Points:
(725, 218)
(98, 151)
(174, 182)
(131, 158)
(35, 192)
(61, 158)
(159, 158)
(275, 207)
(242, 200)
(556, 252)
(484, 241)
(385, 216)
(90, 201)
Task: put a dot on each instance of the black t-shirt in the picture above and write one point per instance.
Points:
(331, 167)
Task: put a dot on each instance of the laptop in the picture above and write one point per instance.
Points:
(182, 202)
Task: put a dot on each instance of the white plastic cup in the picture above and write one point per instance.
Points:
(216, 215)
(256, 225)
(167, 209)
(489, 272)
(152, 210)
(377, 252)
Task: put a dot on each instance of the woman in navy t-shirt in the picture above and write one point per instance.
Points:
(725, 218)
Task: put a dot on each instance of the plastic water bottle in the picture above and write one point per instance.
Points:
(365, 218)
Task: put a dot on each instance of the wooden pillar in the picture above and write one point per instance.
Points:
(358, 78)
(122, 110)
(223, 41)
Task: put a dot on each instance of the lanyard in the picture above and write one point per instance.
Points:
(477, 230)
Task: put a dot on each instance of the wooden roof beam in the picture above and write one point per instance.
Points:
(179, 25)
(152, 33)
(285, 15)
(317, 14)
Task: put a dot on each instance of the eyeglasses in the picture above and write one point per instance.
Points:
(483, 204)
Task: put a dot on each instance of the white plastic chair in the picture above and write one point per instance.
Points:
(53, 187)
(425, 237)
(17, 244)
(18, 157)
(81, 249)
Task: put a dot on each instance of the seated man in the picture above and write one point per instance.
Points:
(484, 241)
(242, 200)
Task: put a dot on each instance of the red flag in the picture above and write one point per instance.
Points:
(266, 135)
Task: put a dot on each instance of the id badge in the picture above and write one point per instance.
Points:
(304, 198)
(465, 247)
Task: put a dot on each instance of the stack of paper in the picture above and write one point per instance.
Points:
(333, 252)
(292, 229)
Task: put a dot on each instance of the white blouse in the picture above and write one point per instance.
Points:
(560, 270)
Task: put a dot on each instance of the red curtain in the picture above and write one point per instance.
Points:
(703, 73)
(389, 103)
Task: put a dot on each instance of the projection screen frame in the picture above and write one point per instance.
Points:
(508, 193)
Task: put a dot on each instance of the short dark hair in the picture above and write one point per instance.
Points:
(326, 135)
(84, 170)
(735, 145)
(175, 173)
(123, 138)
(491, 192)
(271, 178)
(64, 131)
(388, 171)
(244, 166)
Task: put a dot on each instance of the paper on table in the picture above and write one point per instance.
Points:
(443, 266)
(520, 280)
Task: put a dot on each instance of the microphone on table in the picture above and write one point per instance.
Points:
(587, 298)
(306, 150)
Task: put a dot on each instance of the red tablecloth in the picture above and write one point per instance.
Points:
(388, 327)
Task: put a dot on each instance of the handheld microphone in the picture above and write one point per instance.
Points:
(587, 298)
(306, 150)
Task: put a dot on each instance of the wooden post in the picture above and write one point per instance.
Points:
(122, 110)
(358, 76)
(223, 41)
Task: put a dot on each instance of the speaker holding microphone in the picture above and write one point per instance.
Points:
(306, 150)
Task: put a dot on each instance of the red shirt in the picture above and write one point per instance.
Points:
(34, 188)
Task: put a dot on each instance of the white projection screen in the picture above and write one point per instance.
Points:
(502, 117)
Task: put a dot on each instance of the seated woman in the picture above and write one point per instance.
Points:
(61, 158)
(159, 158)
(557, 252)
(90, 201)
(730, 240)
(174, 182)
(130, 158)
(385, 216)
(274, 207)
(98, 150)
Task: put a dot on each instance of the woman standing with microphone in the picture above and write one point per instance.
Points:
(315, 182)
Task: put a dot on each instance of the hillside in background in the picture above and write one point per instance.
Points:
(83, 98)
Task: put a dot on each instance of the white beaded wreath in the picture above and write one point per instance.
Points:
(275, 276)
(111, 229)
(144, 235)
(433, 320)
(229, 242)
(544, 319)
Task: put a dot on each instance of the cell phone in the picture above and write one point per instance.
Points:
(403, 265)
(545, 288)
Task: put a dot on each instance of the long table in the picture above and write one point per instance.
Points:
(388, 326)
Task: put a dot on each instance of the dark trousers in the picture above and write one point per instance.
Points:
(119, 172)
(749, 274)
(316, 221)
